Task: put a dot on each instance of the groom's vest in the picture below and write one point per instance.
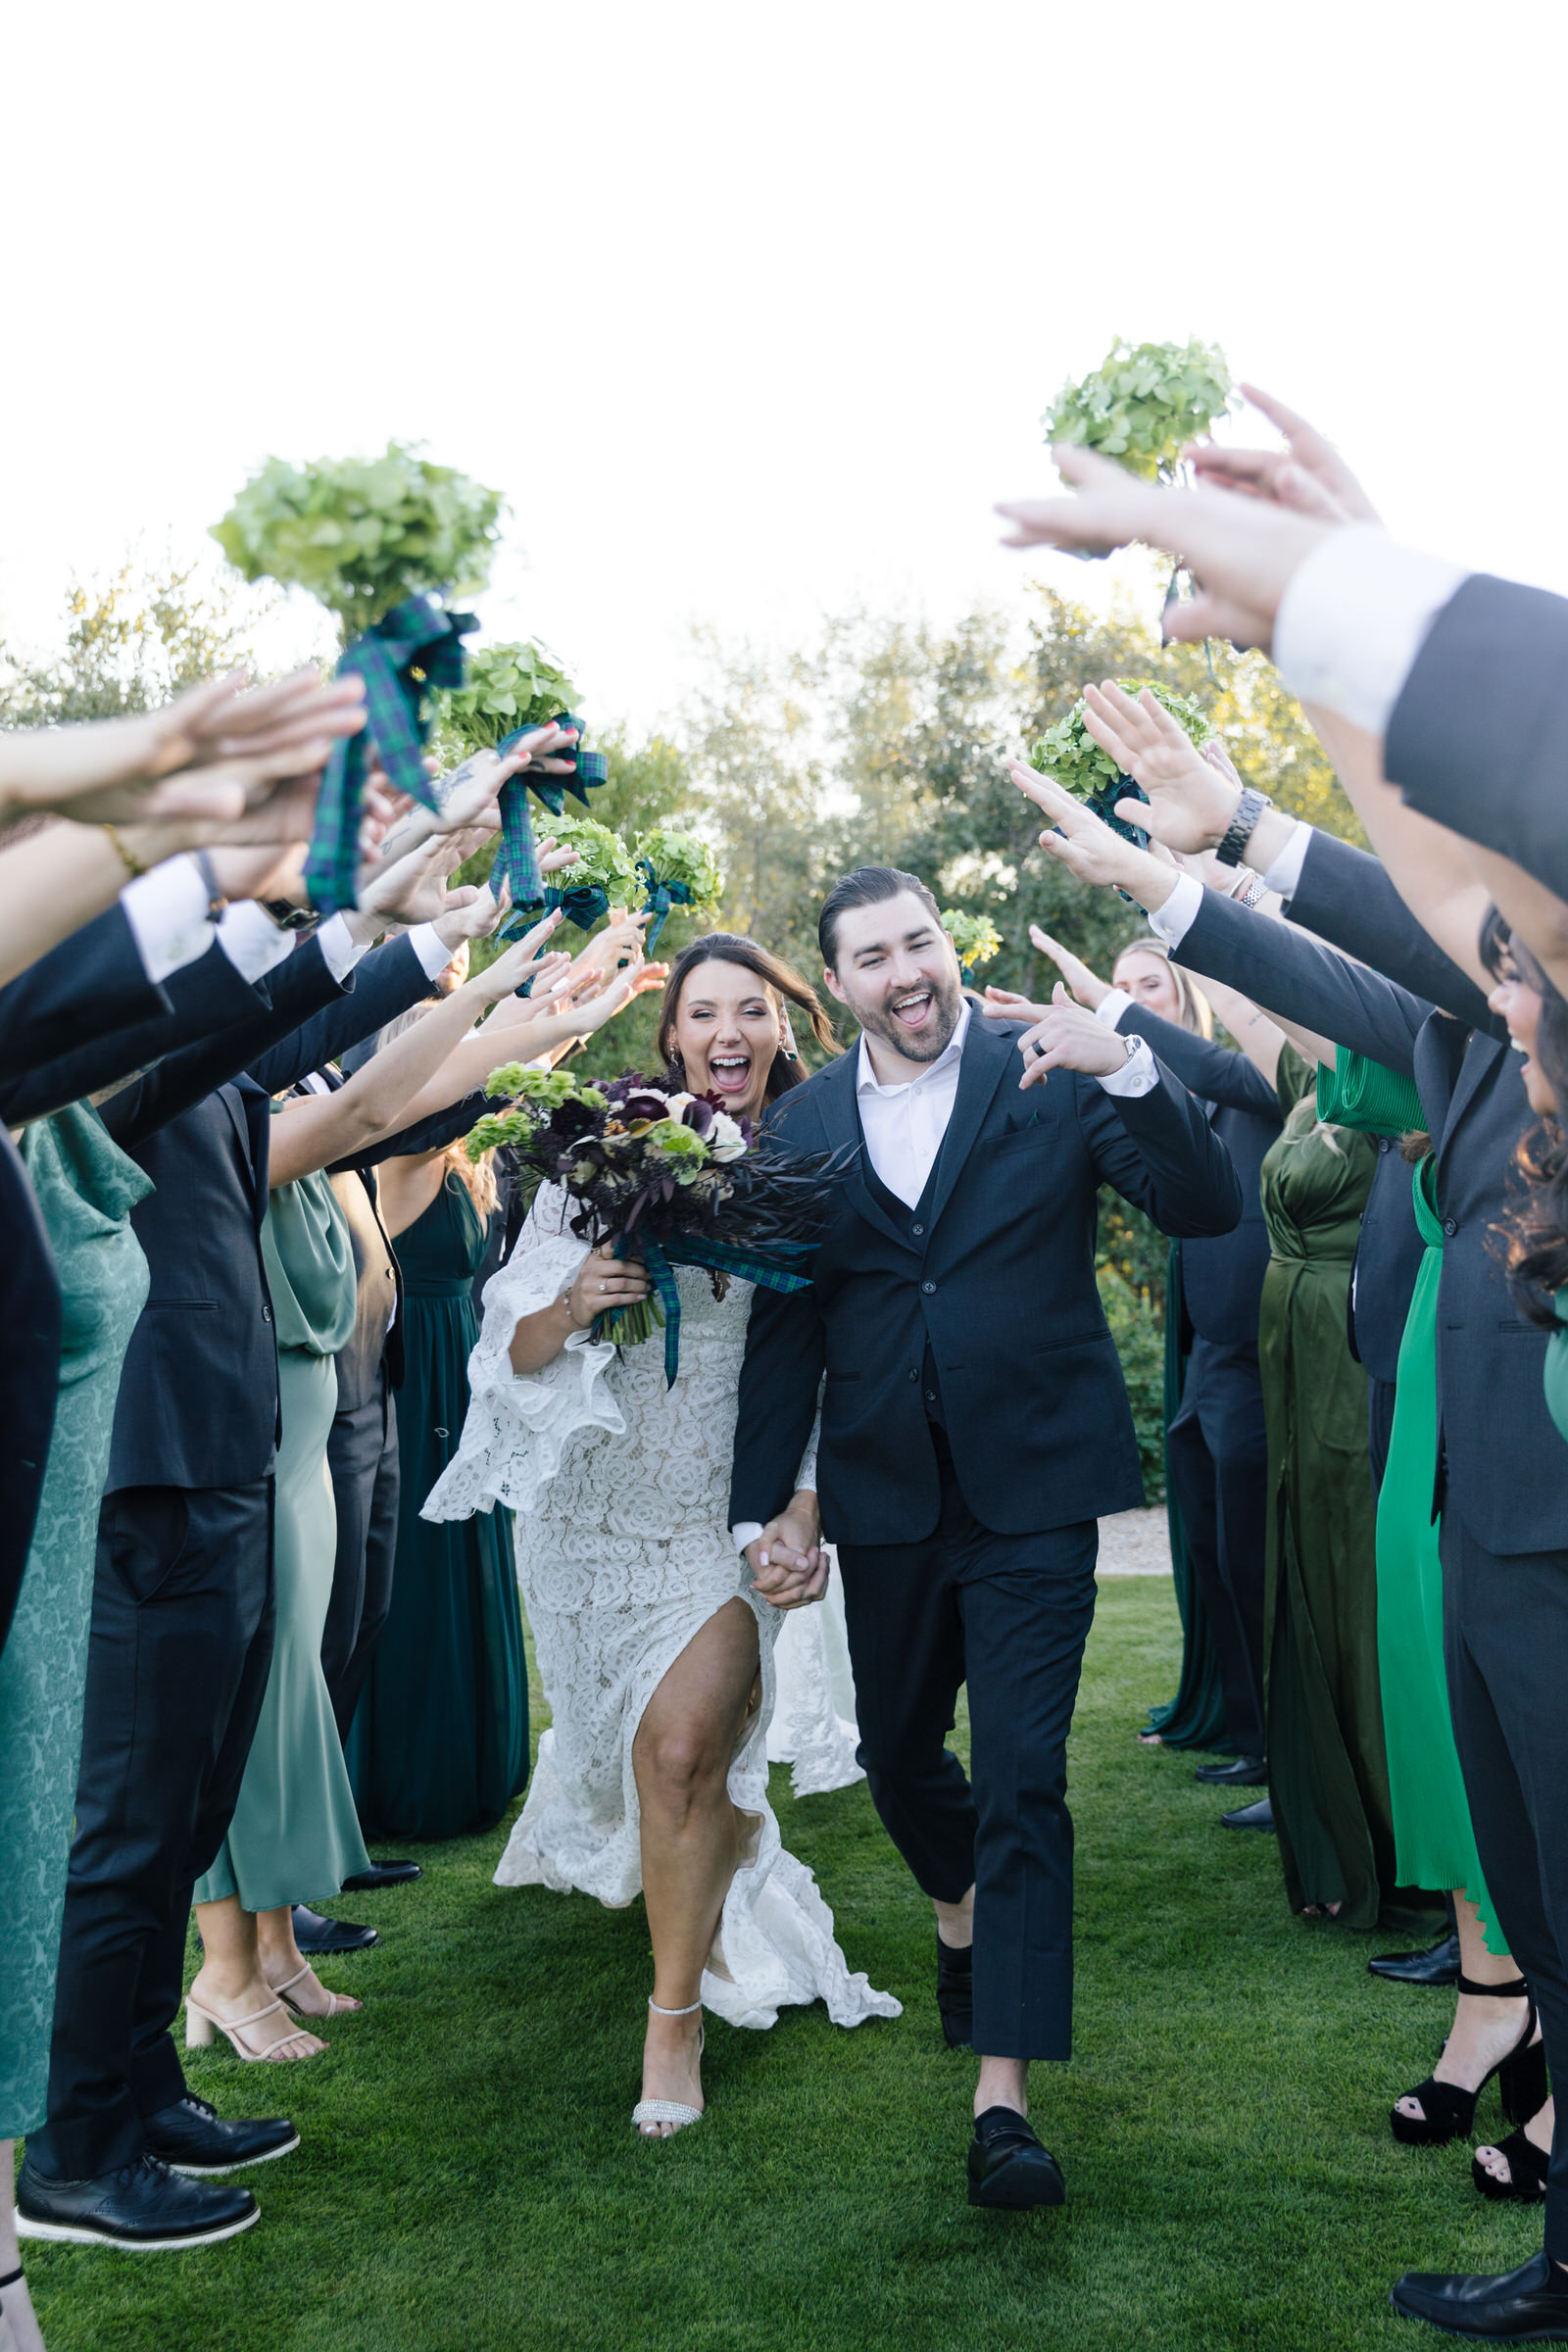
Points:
(914, 1223)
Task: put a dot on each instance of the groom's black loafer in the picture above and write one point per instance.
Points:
(1525, 2306)
(193, 2138)
(1438, 1964)
(144, 2207)
(1241, 1772)
(1007, 2166)
(956, 1994)
(314, 1932)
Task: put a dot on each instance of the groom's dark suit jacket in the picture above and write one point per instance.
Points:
(991, 1284)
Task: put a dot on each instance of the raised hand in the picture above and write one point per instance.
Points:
(1086, 847)
(1087, 988)
(1191, 800)
(1006, 1004)
(552, 860)
(1067, 1038)
(523, 959)
(1242, 550)
(1308, 475)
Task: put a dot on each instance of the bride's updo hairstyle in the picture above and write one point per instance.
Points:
(785, 983)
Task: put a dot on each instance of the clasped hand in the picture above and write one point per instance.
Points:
(789, 1567)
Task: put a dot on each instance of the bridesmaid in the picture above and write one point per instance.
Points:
(439, 1746)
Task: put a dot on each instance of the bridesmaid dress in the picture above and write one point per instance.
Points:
(439, 1743)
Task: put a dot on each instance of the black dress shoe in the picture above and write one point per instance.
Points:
(382, 1874)
(1438, 1964)
(1525, 2306)
(144, 2207)
(193, 2138)
(1246, 1817)
(314, 1933)
(1008, 2166)
(956, 1994)
(1241, 1772)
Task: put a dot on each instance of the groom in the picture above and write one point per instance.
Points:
(974, 1428)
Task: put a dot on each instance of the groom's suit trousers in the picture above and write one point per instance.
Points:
(1009, 1616)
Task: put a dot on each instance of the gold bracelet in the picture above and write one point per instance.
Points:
(131, 865)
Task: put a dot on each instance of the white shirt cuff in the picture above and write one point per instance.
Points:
(166, 911)
(340, 949)
(1284, 874)
(1138, 1074)
(1172, 921)
(746, 1532)
(251, 939)
(1353, 617)
(431, 950)
(1112, 1006)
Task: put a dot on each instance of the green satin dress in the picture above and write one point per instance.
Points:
(1328, 1770)
(439, 1743)
(87, 1189)
(1434, 1843)
(1555, 1375)
(295, 1836)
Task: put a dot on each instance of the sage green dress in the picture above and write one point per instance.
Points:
(86, 1187)
(295, 1836)
(1328, 1771)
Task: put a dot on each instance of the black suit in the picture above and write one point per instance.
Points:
(182, 1602)
(1502, 1483)
(1475, 739)
(1216, 1447)
(974, 1426)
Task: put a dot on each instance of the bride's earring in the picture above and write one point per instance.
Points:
(786, 1041)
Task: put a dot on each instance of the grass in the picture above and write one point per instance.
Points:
(470, 2181)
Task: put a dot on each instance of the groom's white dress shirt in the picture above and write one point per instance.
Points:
(904, 1126)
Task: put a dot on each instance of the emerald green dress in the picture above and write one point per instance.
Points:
(87, 1189)
(439, 1743)
(1555, 1374)
(295, 1836)
(1327, 1772)
(1434, 1843)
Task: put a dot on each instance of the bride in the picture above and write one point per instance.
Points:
(657, 1656)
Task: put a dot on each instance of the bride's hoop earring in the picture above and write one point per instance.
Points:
(786, 1044)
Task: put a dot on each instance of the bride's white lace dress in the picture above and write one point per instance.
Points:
(621, 1490)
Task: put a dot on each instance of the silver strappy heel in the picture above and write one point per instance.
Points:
(669, 2111)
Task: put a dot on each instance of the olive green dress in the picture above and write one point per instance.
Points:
(87, 1189)
(1328, 1772)
(295, 1836)
(439, 1742)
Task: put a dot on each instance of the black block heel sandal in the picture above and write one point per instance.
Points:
(1526, 2184)
(1448, 2111)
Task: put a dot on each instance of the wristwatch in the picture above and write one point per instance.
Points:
(1243, 825)
(289, 917)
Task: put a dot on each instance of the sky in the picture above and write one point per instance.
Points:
(753, 311)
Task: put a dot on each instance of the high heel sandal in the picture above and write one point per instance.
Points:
(1448, 2112)
(337, 2004)
(1526, 2184)
(669, 2111)
(204, 2024)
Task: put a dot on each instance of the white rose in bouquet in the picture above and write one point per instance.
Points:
(724, 1138)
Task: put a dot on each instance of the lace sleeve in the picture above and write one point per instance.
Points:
(518, 1425)
(808, 1471)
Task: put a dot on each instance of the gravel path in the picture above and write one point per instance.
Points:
(1135, 1544)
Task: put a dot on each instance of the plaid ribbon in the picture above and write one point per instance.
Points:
(661, 897)
(516, 860)
(408, 650)
(724, 1257)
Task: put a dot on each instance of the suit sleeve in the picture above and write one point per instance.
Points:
(204, 998)
(433, 1134)
(1475, 740)
(781, 1373)
(387, 982)
(89, 987)
(1214, 1074)
(1300, 978)
(1161, 1153)
(1348, 897)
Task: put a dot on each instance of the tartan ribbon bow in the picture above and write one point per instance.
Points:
(723, 1257)
(411, 647)
(516, 860)
(661, 897)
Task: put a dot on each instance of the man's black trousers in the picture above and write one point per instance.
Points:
(1505, 1640)
(1008, 1615)
(1217, 1454)
(362, 1454)
(178, 1662)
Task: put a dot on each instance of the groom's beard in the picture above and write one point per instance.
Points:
(915, 1044)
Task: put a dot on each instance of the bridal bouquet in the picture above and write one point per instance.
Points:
(1069, 755)
(668, 1177)
(508, 690)
(1144, 403)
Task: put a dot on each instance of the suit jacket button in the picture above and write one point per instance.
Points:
(917, 1229)
(1450, 1226)
(914, 1375)
(928, 1288)
(267, 1314)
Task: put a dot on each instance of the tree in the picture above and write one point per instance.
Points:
(131, 641)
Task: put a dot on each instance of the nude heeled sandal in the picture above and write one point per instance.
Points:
(669, 2111)
(203, 2026)
(338, 2004)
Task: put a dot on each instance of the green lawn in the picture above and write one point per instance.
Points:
(469, 2177)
